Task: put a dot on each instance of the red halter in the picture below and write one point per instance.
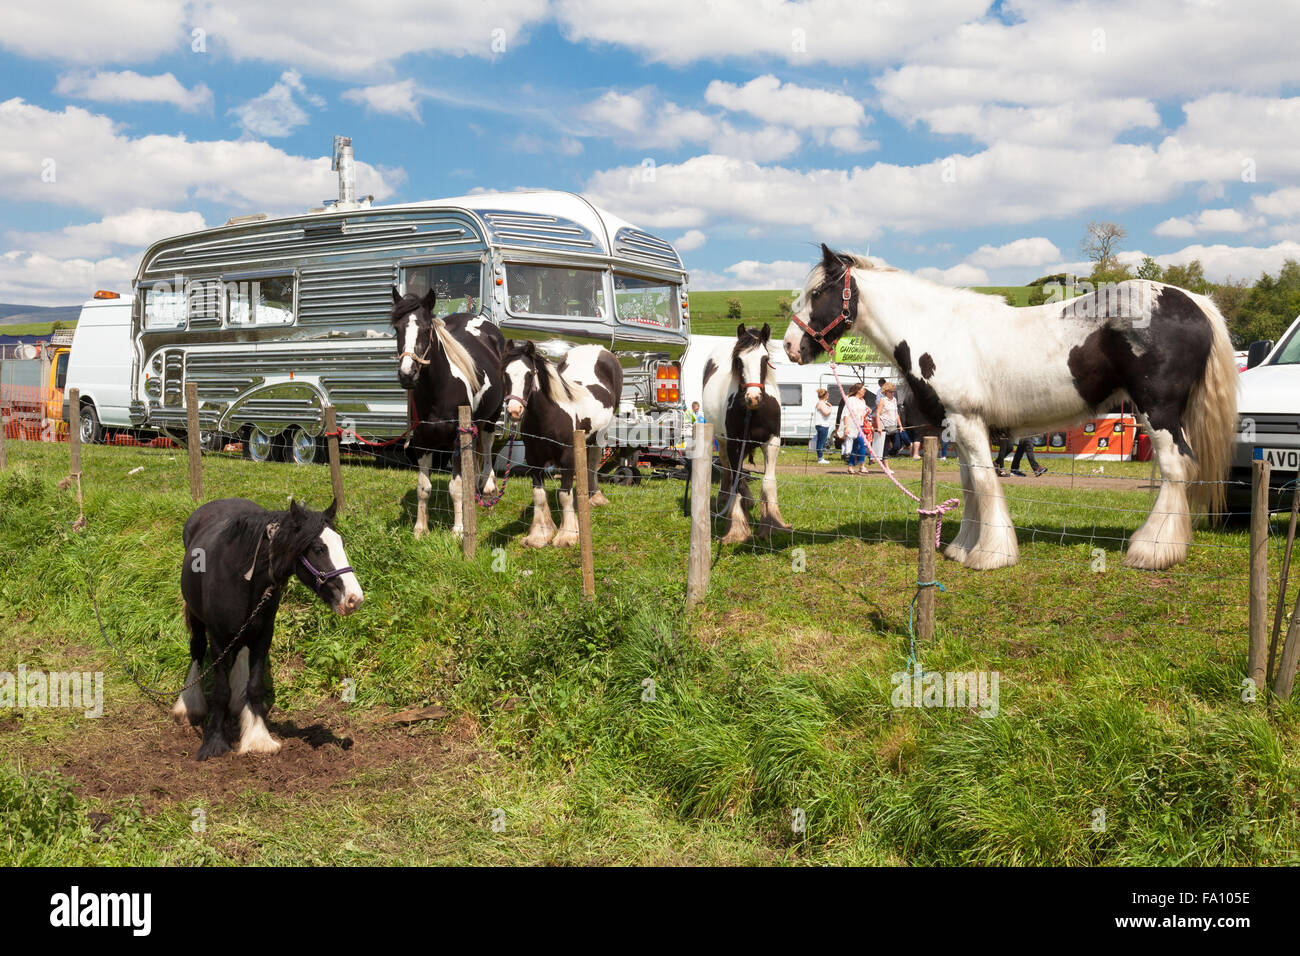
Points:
(820, 337)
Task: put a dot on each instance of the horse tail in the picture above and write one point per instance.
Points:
(198, 636)
(1212, 415)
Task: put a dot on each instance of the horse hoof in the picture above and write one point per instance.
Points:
(735, 537)
(216, 747)
(598, 499)
(261, 745)
(458, 533)
(535, 541)
(564, 539)
(420, 532)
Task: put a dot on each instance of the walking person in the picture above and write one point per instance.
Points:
(887, 423)
(822, 424)
(857, 426)
(1024, 447)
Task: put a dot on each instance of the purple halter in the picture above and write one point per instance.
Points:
(323, 576)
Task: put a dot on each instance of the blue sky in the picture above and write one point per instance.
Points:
(972, 142)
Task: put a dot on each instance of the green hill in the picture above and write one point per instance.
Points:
(709, 309)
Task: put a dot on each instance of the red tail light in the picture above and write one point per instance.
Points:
(668, 383)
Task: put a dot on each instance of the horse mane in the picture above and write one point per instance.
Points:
(247, 534)
(902, 279)
(457, 354)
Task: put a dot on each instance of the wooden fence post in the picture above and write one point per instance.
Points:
(1258, 575)
(74, 426)
(1271, 674)
(1290, 654)
(468, 508)
(581, 489)
(925, 542)
(332, 444)
(701, 479)
(193, 442)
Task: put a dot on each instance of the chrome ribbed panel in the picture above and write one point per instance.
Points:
(642, 246)
(538, 230)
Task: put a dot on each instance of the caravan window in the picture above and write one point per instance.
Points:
(791, 394)
(646, 302)
(164, 307)
(555, 290)
(459, 285)
(267, 300)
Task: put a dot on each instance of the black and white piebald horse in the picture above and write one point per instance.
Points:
(238, 559)
(741, 398)
(446, 363)
(550, 402)
(975, 364)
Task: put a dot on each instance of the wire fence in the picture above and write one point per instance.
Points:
(1072, 529)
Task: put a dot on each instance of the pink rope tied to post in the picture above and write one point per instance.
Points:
(938, 511)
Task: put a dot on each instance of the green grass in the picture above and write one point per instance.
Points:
(709, 309)
(1119, 690)
(35, 328)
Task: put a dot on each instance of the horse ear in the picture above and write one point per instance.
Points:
(829, 259)
(765, 332)
(529, 347)
(397, 297)
(430, 299)
(295, 510)
(332, 510)
(740, 330)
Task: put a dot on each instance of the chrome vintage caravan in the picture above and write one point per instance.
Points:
(272, 319)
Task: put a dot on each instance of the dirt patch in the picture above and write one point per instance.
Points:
(145, 754)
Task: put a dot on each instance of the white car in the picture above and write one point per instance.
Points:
(1268, 406)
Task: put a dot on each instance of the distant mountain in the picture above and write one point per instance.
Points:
(27, 314)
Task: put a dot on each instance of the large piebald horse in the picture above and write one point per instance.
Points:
(550, 402)
(238, 559)
(446, 363)
(975, 364)
(741, 398)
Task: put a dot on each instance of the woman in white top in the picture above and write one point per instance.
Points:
(822, 423)
(857, 426)
(886, 418)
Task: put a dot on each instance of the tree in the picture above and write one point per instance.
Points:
(734, 310)
(783, 306)
(1270, 307)
(1230, 297)
(1100, 243)
(1190, 277)
(1150, 269)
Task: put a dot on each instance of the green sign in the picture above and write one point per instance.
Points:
(852, 350)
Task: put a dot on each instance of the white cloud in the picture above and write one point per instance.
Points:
(690, 240)
(1240, 262)
(961, 274)
(127, 86)
(136, 228)
(98, 167)
(42, 279)
(800, 107)
(781, 274)
(334, 37)
(398, 99)
(533, 143)
(836, 31)
(1281, 203)
(1095, 122)
(1022, 252)
(641, 120)
(1207, 221)
(276, 112)
(91, 31)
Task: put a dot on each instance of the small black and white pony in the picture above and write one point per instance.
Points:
(550, 402)
(975, 364)
(238, 559)
(446, 363)
(741, 398)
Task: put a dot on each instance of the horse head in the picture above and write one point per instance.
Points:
(413, 319)
(306, 543)
(828, 305)
(523, 373)
(751, 360)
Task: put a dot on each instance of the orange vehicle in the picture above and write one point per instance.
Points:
(31, 390)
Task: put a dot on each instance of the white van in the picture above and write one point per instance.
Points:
(100, 366)
(1268, 405)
